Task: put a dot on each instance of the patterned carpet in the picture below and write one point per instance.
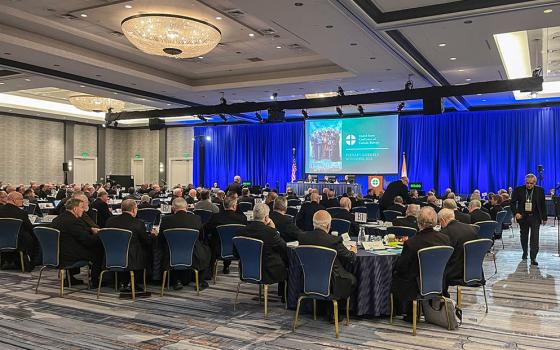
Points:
(524, 314)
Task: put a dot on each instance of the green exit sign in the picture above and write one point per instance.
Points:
(186, 155)
(85, 154)
(137, 156)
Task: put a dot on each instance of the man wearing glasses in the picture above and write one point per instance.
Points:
(528, 206)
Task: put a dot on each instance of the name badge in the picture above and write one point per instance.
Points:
(528, 207)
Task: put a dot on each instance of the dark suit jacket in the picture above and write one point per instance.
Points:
(462, 217)
(144, 205)
(435, 207)
(103, 212)
(182, 219)
(399, 208)
(458, 234)
(247, 199)
(395, 188)
(285, 226)
(343, 282)
(76, 240)
(409, 221)
(346, 215)
(304, 218)
(495, 210)
(25, 239)
(234, 187)
(330, 203)
(478, 215)
(274, 255)
(518, 198)
(407, 268)
(140, 242)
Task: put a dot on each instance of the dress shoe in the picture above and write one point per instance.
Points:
(524, 257)
(225, 271)
(178, 285)
(202, 285)
(534, 262)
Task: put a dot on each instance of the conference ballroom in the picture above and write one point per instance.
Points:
(279, 174)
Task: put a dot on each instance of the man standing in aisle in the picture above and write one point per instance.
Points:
(528, 205)
(235, 186)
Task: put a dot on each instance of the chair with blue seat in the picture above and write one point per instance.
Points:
(156, 202)
(372, 211)
(317, 265)
(473, 273)
(225, 235)
(292, 218)
(401, 231)
(181, 242)
(340, 225)
(205, 215)
(431, 262)
(487, 229)
(335, 211)
(49, 240)
(293, 211)
(244, 206)
(150, 215)
(250, 251)
(9, 235)
(500, 218)
(294, 202)
(116, 243)
(92, 213)
(391, 215)
(30, 208)
(359, 210)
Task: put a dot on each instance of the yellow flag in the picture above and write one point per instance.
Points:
(403, 168)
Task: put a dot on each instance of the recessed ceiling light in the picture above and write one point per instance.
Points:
(83, 15)
(547, 11)
(442, 44)
(2, 83)
(127, 6)
(278, 47)
(219, 18)
(27, 79)
(478, 94)
(143, 99)
(460, 70)
(115, 93)
(168, 104)
(452, 58)
(483, 100)
(200, 57)
(82, 86)
(468, 79)
(372, 89)
(251, 34)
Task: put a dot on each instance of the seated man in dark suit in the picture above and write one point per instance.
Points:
(343, 281)
(398, 205)
(371, 194)
(191, 197)
(450, 203)
(495, 206)
(345, 214)
(304, 218)
(284, 224)
(145, 201)
(140, 242)
(290, 193)
(458, 234)
(102, 206)
(77, 240)
(477, 215)
(331, 200)
(432, 202)
(245, 197)
(227, 217)
(410, 220)
(219, 199)
(407, 271)
(26, 240)
(274, 251)
(201, 256)
(270, 200)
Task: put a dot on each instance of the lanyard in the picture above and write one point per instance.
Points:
(529, 197)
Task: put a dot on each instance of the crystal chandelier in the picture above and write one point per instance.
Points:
(171, 35)
(96, 103)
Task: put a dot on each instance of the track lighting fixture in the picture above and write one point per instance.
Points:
(339, 112)
(274, 96)
(340, 91)
(223, 117)
(202, 118)
(258, 116)
(361, 110)
(304, 114)
(409, 85)
(400, 107)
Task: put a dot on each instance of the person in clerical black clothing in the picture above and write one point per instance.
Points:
(26, 240)
(284, 224)
(529, 207)
(395, 188)
(235, 186)
(102, 206)
(304, 218)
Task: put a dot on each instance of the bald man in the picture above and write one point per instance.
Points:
(344, 282)
(346, 204)
(235, 186)
(304, 218)
(26, 241)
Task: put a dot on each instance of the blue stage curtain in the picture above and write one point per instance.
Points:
(259, 153)
(487, 150)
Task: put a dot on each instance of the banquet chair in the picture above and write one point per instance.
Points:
(334, 211)
(508, 220)
(150, 215)
(116, 243)
(244, 206)
(249, 251)
(473, 273)
(30, 208)
(340, 225)
(500, 217)
(49, 241)
(225, 235)
(486, 230)
(292, 218)
(359, 210)
(293, 211)
(9, 235)
(205, 215)
(294, 202)
(432, 262)
(181, 242)
(372, 211)
(401, 231)
(317, 265)
(391, 215)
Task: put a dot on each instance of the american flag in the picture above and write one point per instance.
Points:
(294, 165)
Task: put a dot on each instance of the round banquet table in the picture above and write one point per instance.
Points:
(373, 274)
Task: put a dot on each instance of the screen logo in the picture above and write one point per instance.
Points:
(350, 140)
(375, 182)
